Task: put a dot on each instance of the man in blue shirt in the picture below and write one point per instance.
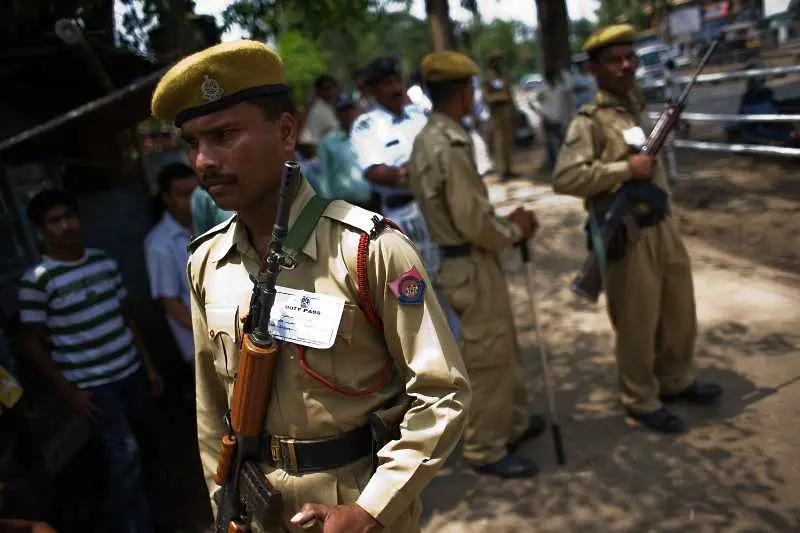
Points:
(167, 253)
(340, 175)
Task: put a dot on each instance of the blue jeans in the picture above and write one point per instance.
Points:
(120, 402)
(554, 136)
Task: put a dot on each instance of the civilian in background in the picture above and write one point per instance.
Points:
(416, 94)
(166, 252)
(321, 117)
(556, 105)
(361, 94)
(80, 335)
(340, 176)
(205, 213)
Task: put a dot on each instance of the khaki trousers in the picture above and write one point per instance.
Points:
(475, 287)
(651, 304)
(502, 129)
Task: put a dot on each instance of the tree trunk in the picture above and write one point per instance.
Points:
(440, 25)
(553, 35)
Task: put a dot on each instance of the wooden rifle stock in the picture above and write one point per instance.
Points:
(252, 388)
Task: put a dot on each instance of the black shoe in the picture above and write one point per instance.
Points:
(536, 427)
(660, 420)
(509, 467)
(698, 392)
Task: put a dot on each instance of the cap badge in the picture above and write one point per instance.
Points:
(211, 89)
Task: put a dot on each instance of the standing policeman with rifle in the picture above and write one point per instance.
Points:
(638, 255)
(329, 394)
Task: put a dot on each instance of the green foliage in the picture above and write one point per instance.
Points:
(516, 41)
(581, 30)
(264, 19)
(617, 11)
(304, 60)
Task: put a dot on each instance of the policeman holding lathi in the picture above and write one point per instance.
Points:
(648, 276)
(446, 183)
(379, 338)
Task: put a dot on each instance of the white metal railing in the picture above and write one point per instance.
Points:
(733, 148)
(709, 117)
(732, 75)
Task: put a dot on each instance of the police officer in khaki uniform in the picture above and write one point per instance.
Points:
(232, 104)
(446, 184)
(649, 288)
(497, 95)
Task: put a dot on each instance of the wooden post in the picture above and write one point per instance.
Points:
(553, 36)
(440, 26)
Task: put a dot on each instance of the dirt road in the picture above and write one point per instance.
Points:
(737, 470)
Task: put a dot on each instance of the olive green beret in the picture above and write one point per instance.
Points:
(616, 34)
(216, 78)
(495, 54)
(446, 66)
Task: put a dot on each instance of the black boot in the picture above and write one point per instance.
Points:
(509, 467)
(699, 392)
(660, 420)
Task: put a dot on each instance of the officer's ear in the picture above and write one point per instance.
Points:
(287, 126)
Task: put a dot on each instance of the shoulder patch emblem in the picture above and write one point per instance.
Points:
(409, 287)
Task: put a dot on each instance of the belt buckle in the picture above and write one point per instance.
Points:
(284, 455)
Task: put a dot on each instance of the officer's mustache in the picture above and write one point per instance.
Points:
(397, 95)
(216, 177)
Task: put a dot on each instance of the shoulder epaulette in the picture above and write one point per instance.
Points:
(219, 228)
(352, 215)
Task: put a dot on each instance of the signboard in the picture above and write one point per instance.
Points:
(773, 7)
(686, 21)
(716, 10)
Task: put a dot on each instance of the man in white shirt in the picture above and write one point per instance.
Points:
(383, 139)
(417, 94)
(167, 253)
(321, 118)
(556, 105)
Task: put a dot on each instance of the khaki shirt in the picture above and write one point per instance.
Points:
(427, 362)
(453, 198)
(593, 158)
(496, 88)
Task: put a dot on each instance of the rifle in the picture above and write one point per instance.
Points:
(245, 492)
(589, 281)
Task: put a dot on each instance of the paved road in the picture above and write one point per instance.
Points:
(737, 471)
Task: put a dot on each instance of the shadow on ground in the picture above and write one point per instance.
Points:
(720, 477)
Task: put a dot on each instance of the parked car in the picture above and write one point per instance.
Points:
(651, 68)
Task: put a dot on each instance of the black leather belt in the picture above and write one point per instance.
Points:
(398, 201)
(295, 456)
(461, 250)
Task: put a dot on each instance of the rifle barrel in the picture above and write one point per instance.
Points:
(702, 65)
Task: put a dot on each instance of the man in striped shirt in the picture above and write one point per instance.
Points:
(79, 335)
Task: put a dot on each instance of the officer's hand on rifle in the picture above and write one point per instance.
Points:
(337, 518)
(525, 220)
(641, 166)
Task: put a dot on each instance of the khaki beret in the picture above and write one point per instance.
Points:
(446, 66)
(616, 34)
(216, 78)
